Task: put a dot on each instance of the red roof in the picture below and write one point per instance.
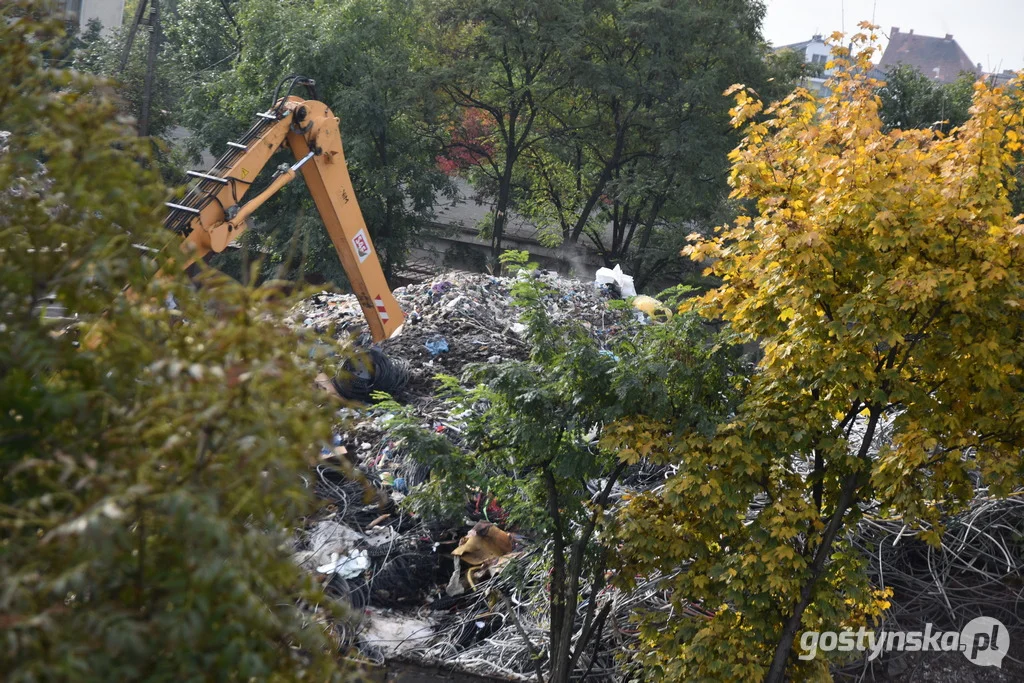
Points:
(940, 59)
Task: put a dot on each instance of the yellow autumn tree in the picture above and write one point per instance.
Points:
(882, 273)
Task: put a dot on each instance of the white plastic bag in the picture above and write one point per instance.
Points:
(347, 566)
(606, 276)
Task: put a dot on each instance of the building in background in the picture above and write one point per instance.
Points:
(814, 51)
(940, 59)
(108, 12)
(1001, 78)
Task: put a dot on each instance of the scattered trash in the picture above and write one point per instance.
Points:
(615, 276)
(484, 542)
(366, 371)
(329, 536)
(392, 634)
(379, 555)
(381, 535)
(346, 566)
(455, 587)
(333, 453)
(654, 309)
(436, 345)
(471, 312)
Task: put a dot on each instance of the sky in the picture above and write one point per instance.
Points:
(989, 31)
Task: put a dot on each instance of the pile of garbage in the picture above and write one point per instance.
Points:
(422, 591)
(474, 597)
(462, 318)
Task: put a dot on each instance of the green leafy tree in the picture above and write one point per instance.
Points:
(152, 441)
(535, 446)
(912, 100)
(790, 66)
(102, 56)
(646, 155)
(502, 66)
(882, 274)
(363, 56)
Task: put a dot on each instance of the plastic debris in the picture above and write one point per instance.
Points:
(413, 563)
(332, 536)
(436, 345)
(653, 308)
(484, 542)
(609, 276)
(472, 312)
(392, 634)
(381, 535)
(347, 566)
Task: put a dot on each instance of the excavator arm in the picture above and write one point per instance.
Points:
(213, 214)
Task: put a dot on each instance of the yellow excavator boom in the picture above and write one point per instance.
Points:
(212, 213)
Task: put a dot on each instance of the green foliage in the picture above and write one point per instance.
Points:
(881, 272)
(152, 454)
(363, 56)
(515, 261)
(101, 56)
(597, 121)
(502, 66)
(633, 150)
(674, 296)
(789, 67)
(912, 100)
(533, 430)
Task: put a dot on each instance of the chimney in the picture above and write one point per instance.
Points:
(895, 30)
(949, 36)
(911, 31)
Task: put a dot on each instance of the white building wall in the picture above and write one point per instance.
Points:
(817, 52)
(109, 12)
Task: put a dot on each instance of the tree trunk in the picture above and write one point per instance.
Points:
(501, 214)
(155, 38)
(559, 615)
(847, 497)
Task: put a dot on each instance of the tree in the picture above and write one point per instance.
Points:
(152, 441)
(501, 63)
(912, 100)
(793, 66)
(646, 156)
(534, 446)
(102, 56)
(363, 56)
(882, 274)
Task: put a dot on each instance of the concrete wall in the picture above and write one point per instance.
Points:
(109, 12)
(457, 243)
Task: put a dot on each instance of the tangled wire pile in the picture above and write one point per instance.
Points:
(977, 571)
(395, 568)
